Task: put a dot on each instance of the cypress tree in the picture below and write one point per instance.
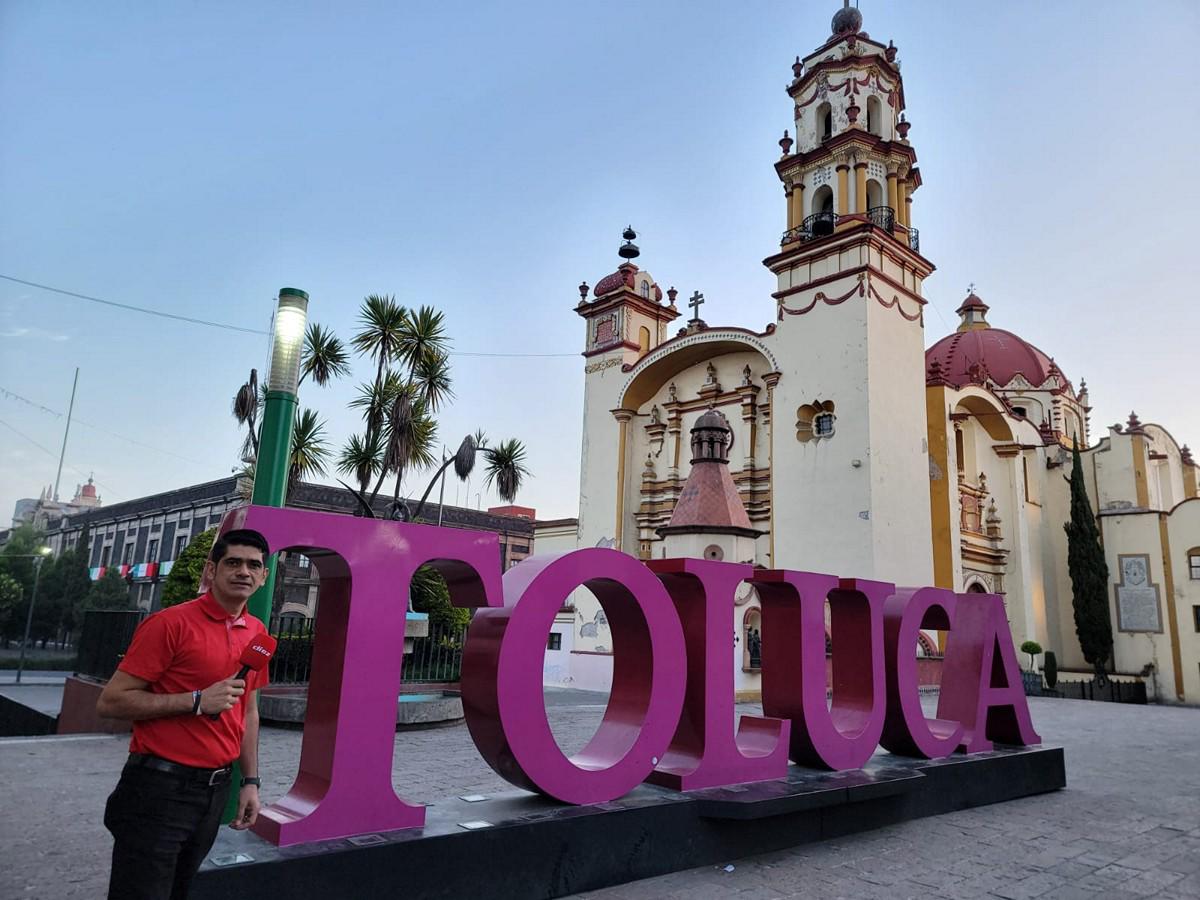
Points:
(1089, 574)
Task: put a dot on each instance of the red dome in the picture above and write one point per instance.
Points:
(623, 277)
(971, 357)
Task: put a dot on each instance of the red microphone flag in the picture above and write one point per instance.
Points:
(258, 653)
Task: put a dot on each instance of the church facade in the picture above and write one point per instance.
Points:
(834, 441)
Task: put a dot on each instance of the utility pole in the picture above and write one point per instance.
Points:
(62, 455)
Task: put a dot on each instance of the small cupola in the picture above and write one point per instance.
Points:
(973, 313)
(711, 437)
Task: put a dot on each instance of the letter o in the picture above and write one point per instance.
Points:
(502, 677)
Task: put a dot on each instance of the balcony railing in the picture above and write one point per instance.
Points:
(823, 224)
(882, 217)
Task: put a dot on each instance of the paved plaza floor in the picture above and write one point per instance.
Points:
(1127, 825)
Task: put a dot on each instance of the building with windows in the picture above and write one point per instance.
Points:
(832, 440)
(144, 537)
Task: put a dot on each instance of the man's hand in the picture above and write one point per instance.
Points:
(247, 808)
(216, 698)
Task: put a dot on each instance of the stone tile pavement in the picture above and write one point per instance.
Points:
(1128, 824)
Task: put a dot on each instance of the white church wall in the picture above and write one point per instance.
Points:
(821, 498)
(1183, 533)
(1133, 553)
(899, 455)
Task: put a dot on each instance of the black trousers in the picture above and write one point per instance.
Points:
(163, 825)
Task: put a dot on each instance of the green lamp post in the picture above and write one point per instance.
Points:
(275, 445)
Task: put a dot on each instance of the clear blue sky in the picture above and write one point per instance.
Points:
(484, 158)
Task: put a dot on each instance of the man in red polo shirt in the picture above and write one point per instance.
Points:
(191, 720)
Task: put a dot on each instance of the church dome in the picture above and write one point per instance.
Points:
(971, 357)
(847, 19)
(977, 352)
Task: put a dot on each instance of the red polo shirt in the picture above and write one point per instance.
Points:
(186, 648)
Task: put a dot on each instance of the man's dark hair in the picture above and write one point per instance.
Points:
(241, 537)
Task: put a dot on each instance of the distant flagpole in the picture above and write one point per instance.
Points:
(66, 432)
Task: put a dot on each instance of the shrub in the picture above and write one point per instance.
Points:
(1050, 669)
(1033, 648)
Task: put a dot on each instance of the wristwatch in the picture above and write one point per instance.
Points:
(254, 780)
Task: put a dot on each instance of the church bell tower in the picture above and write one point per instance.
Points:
(850, 460)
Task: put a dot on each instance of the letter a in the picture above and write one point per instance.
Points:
(981, 682)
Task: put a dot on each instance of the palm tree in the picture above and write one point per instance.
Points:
(360, 459)
(310, 453)
(506, 468)
(245, 410)
(310, 450)
(324, 356)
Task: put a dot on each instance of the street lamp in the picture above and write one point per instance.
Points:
(38, 558)
(275, 442)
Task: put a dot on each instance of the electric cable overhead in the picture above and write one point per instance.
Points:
(15, 396)
(53, 455)
(129, 306)
(227, 326)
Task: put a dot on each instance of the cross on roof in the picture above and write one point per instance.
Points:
(971, 288)
(694, 303)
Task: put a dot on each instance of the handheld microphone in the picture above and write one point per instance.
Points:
(254, 658)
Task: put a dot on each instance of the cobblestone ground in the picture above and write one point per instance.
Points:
(1128, 824)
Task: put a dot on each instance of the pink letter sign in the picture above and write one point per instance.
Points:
(844, 735)
(502, 677)
(906, 731)
(705, 752)
(345, 781)
(981, 682)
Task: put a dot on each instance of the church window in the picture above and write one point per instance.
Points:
(874, 116)
(1020, 411)
(646, 289)
(554, 641)
(1194, 564)
(644, 339)
(815, 421)
(960, 454)
(712, 551)
(825, 121)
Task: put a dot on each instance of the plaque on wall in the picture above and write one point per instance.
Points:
(1137, 597)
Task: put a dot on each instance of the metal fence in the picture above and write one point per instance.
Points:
(436, 658)
(103, 640)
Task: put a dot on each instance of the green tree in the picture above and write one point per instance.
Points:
(1089, 574)
(76, 580)
(430, 595)
(109, 592)
(17, 561)
(10, 598)
(183, 581)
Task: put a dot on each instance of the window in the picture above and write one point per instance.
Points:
(180, 543)
(554, 641)
(1196, 617)
(105, 556)
(152, 551)
(825, 121)
(960, 454)
(518, 548)
(127, 556)
(874, 116)
(645, 288)
(823, 424)
(301, 561)
(1194, 564)
(814, 421)
(643, 339)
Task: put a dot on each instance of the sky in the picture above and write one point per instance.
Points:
(484, 157)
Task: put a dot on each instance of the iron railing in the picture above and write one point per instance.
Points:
(103, 640)
(882, 217)
(914, 240)
(435, 658)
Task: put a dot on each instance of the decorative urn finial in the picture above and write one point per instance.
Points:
(797, 68)
(785, 143)
(1134, 424)
(902, 127)
(583, 291)
(853, 110)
